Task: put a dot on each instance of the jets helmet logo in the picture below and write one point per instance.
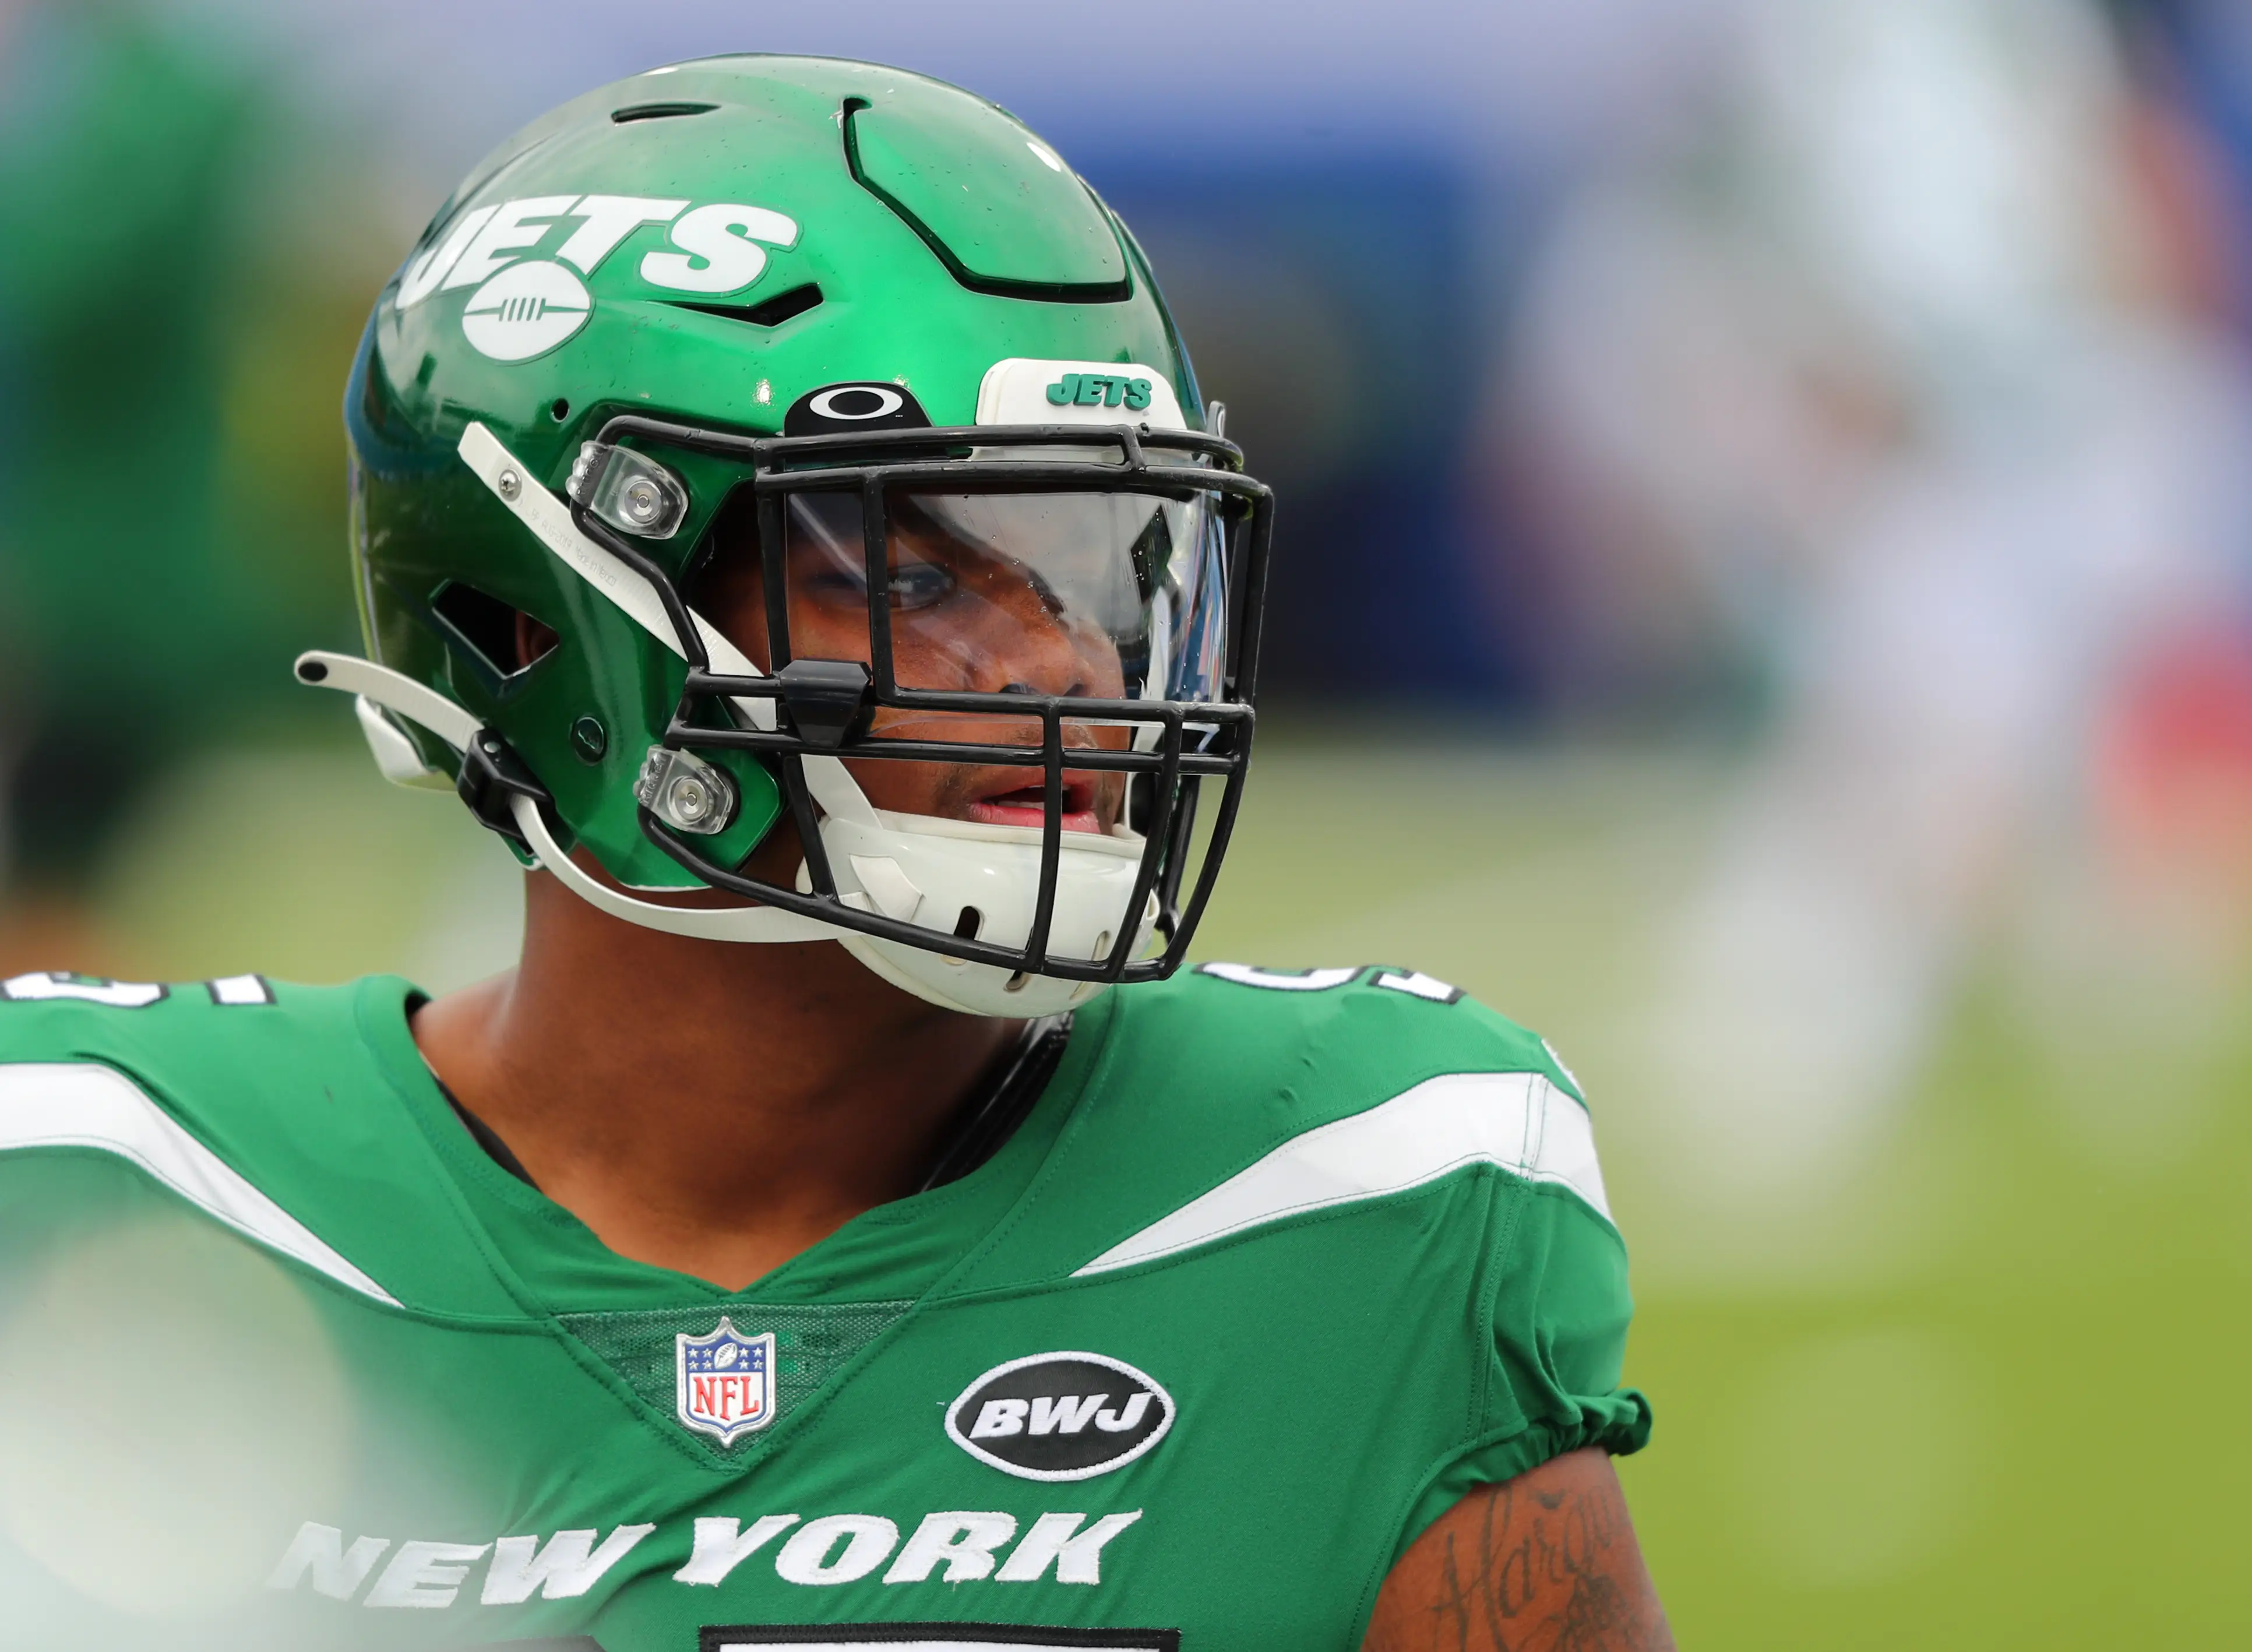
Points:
(1064, 1416)
(724, 1382)
(526, 305)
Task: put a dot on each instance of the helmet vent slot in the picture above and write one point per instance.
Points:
(485, 628)
(658, 112)
(773, 313)
(966, 925)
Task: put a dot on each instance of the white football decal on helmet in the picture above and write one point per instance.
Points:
(526, 310)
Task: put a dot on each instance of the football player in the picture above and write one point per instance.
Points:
(783, 512)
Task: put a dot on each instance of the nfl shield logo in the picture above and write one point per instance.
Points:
(723, 1384)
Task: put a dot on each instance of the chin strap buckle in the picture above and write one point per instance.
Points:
(491, 774)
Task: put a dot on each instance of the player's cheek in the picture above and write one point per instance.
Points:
(827, 630)
(1099, 666)
(908, 788)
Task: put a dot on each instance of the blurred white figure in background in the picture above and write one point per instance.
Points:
(1876, 382)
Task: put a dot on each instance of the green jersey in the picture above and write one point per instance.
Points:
(1275, 1269)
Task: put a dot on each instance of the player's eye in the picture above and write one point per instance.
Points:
(919, 585)
(838, 586)
(914, 585)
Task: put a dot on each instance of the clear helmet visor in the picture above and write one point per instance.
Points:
(1104, 595)
(1110, 595)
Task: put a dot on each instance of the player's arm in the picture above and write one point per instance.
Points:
(1547, 1562)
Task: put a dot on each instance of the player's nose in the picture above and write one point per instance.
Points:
(1041, 659)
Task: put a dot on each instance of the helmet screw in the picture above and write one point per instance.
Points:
(590, 739)
(510, 485)
(690, 801)
(685, 792)
(642, 503)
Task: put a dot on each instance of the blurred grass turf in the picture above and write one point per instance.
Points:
(1980, 1394)
(2066, 1433)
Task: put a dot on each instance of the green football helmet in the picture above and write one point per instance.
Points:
(780, 475)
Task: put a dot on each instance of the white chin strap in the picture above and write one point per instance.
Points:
(402, 696)
(913, 868)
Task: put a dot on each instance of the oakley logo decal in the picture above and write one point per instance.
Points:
(855, 402)
(855, 407)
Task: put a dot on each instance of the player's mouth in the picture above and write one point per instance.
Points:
(1027, 806)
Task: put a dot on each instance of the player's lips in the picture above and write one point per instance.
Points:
(1027, 806)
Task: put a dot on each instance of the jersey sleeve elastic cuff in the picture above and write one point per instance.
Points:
(1618, 1422)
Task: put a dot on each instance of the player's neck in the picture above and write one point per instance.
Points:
(709, 1107)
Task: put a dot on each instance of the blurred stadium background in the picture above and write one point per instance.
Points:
(1766, 600)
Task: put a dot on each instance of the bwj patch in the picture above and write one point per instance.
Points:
(724, 1382)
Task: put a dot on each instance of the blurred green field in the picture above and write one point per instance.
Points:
(1976, 1393)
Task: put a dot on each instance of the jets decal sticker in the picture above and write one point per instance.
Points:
(1099, 390)
(526, 304)
(1061, 1416)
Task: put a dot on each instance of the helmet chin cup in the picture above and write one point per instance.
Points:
(967, 988)
(981, 882)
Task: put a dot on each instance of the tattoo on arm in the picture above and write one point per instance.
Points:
(1545, 1562)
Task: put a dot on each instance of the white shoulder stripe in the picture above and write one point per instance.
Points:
(87, 1104)
(1518, 1122)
